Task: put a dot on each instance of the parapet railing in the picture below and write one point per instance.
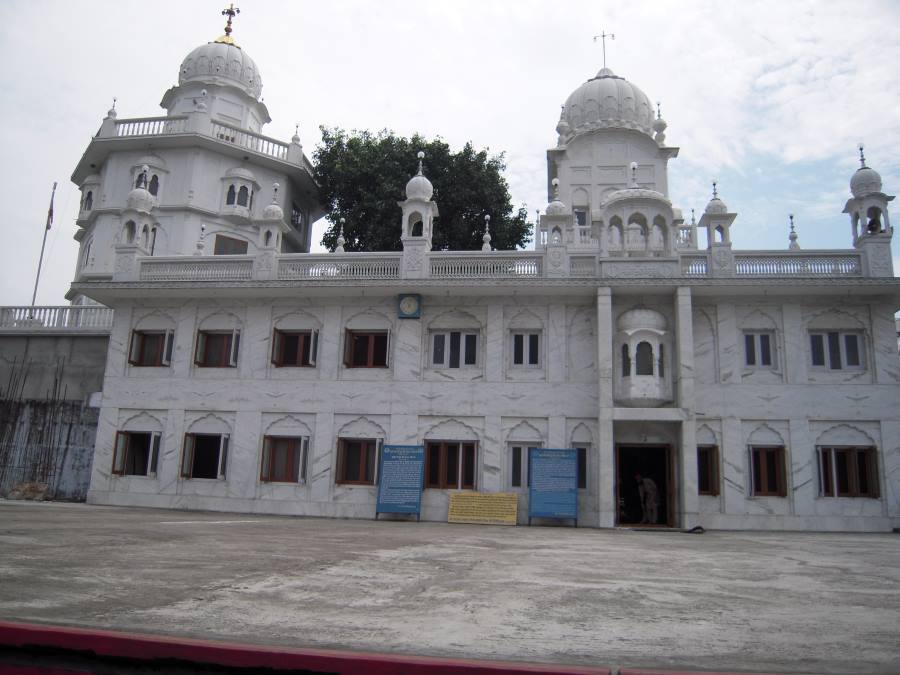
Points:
(342, 266)
(790, 264)
(494, 265)
(62, 318)
(197, 268)
(250, 140)
(182, 124)
(152, 126)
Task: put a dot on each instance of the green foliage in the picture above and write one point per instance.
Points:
(362, 176)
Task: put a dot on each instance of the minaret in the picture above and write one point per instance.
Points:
(869, 219)
(717, 220)
(417, 221)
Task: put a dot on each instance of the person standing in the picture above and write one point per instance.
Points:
(649, 496)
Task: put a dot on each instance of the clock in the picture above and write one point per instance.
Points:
(410, 306)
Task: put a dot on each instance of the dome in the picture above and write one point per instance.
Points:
(273, 212)
(222, 63)
(139, 199)
(865, 181)
(642, 318)
(419, 187)
(608, 101)
(716, 207)
(557, 208)
(635, 193)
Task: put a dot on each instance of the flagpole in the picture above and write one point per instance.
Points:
(43, 244)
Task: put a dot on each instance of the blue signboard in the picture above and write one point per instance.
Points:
(553, 489)
(400, 477)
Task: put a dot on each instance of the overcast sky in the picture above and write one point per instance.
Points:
(770, 97)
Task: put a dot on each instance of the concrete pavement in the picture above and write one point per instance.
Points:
(793, 602)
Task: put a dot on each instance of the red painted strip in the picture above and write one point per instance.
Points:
(632, 671)
(143, 647)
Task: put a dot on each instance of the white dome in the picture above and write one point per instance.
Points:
(635, 193)
(557, 208)
(865, 181)
(419, 187)
(716, 207)
(139, 199)
(608, 101)
(222, 63)
(642, 318)
(273, 212)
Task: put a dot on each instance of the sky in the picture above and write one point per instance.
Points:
(771, 98)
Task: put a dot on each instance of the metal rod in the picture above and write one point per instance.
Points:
(43, 244)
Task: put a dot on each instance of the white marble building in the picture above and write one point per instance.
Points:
(758, 389)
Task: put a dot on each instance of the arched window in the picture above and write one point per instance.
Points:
(643, 359)
(417, 229)
(145, 236)
(229, 199)
(268, 238)
(141, 180)
(661, 365)
(86, 256)
(243, 196)
(874, 223)
(626, 362)
(130, 232)
(250, 204)
(720, 234)
(154, 185)
(88, 200)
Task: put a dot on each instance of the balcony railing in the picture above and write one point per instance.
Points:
(197, 268)
(65, 318)
(151, 126)
(496, 265)
(346, 266)
(250, 141)
(797, 265)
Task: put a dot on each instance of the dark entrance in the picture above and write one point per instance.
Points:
(653, 462)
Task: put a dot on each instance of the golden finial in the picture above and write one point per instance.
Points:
(231, 11)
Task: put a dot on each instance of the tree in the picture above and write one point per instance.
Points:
(362, 176)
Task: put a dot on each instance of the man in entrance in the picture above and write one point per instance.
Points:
(649, 495)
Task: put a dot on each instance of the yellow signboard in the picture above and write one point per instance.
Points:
(483, 508)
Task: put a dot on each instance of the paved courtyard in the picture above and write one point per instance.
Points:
(816, 603)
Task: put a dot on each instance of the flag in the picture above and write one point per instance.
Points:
(50, 210)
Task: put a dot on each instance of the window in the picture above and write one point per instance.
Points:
(205, 456)
(759, 349)
(296, 216)
(136, 453)
(357, 459)
(580, 216)
(230, 197)
(661, 363)
(88, 202)
(295, 348)
(836, 350)
(520, 466)
(450, 465)
(582, 466)
(848, 472)
(151, 347)
(243, 196)
(229, 246)
(366, 349)
(643, 359)
(767, 471)
(454, 349)
(284, 459)
(217, 349)
(153, 188)
(526, 349)
(626, 362)
(707, 470)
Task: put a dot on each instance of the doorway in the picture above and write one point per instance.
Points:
(653, 462)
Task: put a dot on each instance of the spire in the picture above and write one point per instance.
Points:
(634, 168)
(486, 239)
(421, 155)
(340, 239)
(715, 189)
(862, 157)
(231, 11)
(603, 35)
(793, 235)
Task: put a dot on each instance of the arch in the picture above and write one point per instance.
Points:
(219, 320)
(614, 234)
(706, 436)
(267, 238)
(526, 319)
(626, 361)
(88, 200)
(287, 424)
(368, 319)
(643, 358)
(86, 253)
(845, 434)
(581, 434)
(524, 431)
(154, 320)
(873, 220)
(580, 197)
(145, 236)
(153, 188)
(451, 429)
(556, 235)
(230, 197)
(763, 434)
(831, 318)
(210, 423)
(758, 318)
(140, 179)
(362, 427)
(455, 319)
(414, 224)
(130, 232)
(243, 196)
(719, 234)
(639, 218)
(142, 421)
(297, 319)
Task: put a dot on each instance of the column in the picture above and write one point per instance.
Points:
(606, 462)
(684, 337)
